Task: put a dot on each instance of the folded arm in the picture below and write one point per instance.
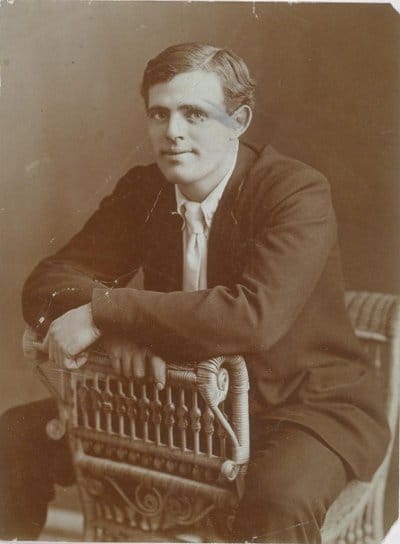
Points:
(284, 261)
(106, 252)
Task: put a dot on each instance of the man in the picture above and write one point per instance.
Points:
(239, 253)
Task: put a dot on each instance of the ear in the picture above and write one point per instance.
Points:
(241, 120)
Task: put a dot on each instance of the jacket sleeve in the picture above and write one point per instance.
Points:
(285, 258)
(105, 252)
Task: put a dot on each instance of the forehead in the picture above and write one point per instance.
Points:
(190, 88)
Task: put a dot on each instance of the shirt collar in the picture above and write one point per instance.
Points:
(210, 203)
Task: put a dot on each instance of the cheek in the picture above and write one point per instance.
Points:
(213, 141)
(154, 133)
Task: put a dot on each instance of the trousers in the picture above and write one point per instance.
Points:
(292, 478)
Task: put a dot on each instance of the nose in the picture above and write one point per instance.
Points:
(175, 127)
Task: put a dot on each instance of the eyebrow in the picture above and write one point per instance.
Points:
(180, 108)
(152, 108)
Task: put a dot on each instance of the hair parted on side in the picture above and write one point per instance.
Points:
(238, 86)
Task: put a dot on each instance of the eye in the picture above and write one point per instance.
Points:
(158, 114)
(195, 115)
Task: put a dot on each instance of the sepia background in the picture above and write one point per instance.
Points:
(72, 123)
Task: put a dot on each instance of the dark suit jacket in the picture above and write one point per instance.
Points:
(274, 294)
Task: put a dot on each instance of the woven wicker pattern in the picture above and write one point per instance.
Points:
(160, 462)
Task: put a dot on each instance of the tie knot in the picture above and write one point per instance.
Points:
(194, 217)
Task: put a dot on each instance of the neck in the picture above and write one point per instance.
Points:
(199, 190)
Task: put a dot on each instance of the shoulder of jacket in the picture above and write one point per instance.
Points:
(144, 176)
(139, 183)
(276, 179)
(273, 170)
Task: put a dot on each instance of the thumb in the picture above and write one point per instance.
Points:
(72, 363)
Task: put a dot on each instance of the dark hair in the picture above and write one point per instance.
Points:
(236, 82)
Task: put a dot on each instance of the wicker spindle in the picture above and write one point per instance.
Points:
(368, 523)
(208, 427)
(156, 409)
(131, 403)
(83, 399)
(182, 412)
(121, 408)
(107, 405)
(169, 417)
(144, 405)
(358, 530)
(95, 394)
(195, 415)
(118, 514)
(107, 511)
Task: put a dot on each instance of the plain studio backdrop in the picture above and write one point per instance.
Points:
(72, 122)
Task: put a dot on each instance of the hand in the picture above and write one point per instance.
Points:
(129, 359)
(68, 336)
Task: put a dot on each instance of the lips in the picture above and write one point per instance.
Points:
(175, 152)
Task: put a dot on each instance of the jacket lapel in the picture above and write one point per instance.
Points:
(224, 244)
(163, 239)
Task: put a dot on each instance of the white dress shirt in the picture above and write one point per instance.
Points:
(195, 232)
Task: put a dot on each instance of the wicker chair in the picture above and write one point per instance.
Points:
(171, 464)
(356, 517)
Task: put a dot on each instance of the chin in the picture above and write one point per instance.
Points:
(178, 175)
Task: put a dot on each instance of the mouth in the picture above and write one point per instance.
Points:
(175, 152)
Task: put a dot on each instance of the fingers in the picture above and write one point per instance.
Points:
(68, 337)
(158, 371)
(81, 359)
(120, 352)
(139, 363)
(72, 363)
(57, 355)
(130, 360)
(69, 363)
(60, 357)
(126, 363)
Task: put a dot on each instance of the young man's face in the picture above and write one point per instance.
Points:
(191, 132)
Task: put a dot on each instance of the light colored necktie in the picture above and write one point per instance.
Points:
(196, 247)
